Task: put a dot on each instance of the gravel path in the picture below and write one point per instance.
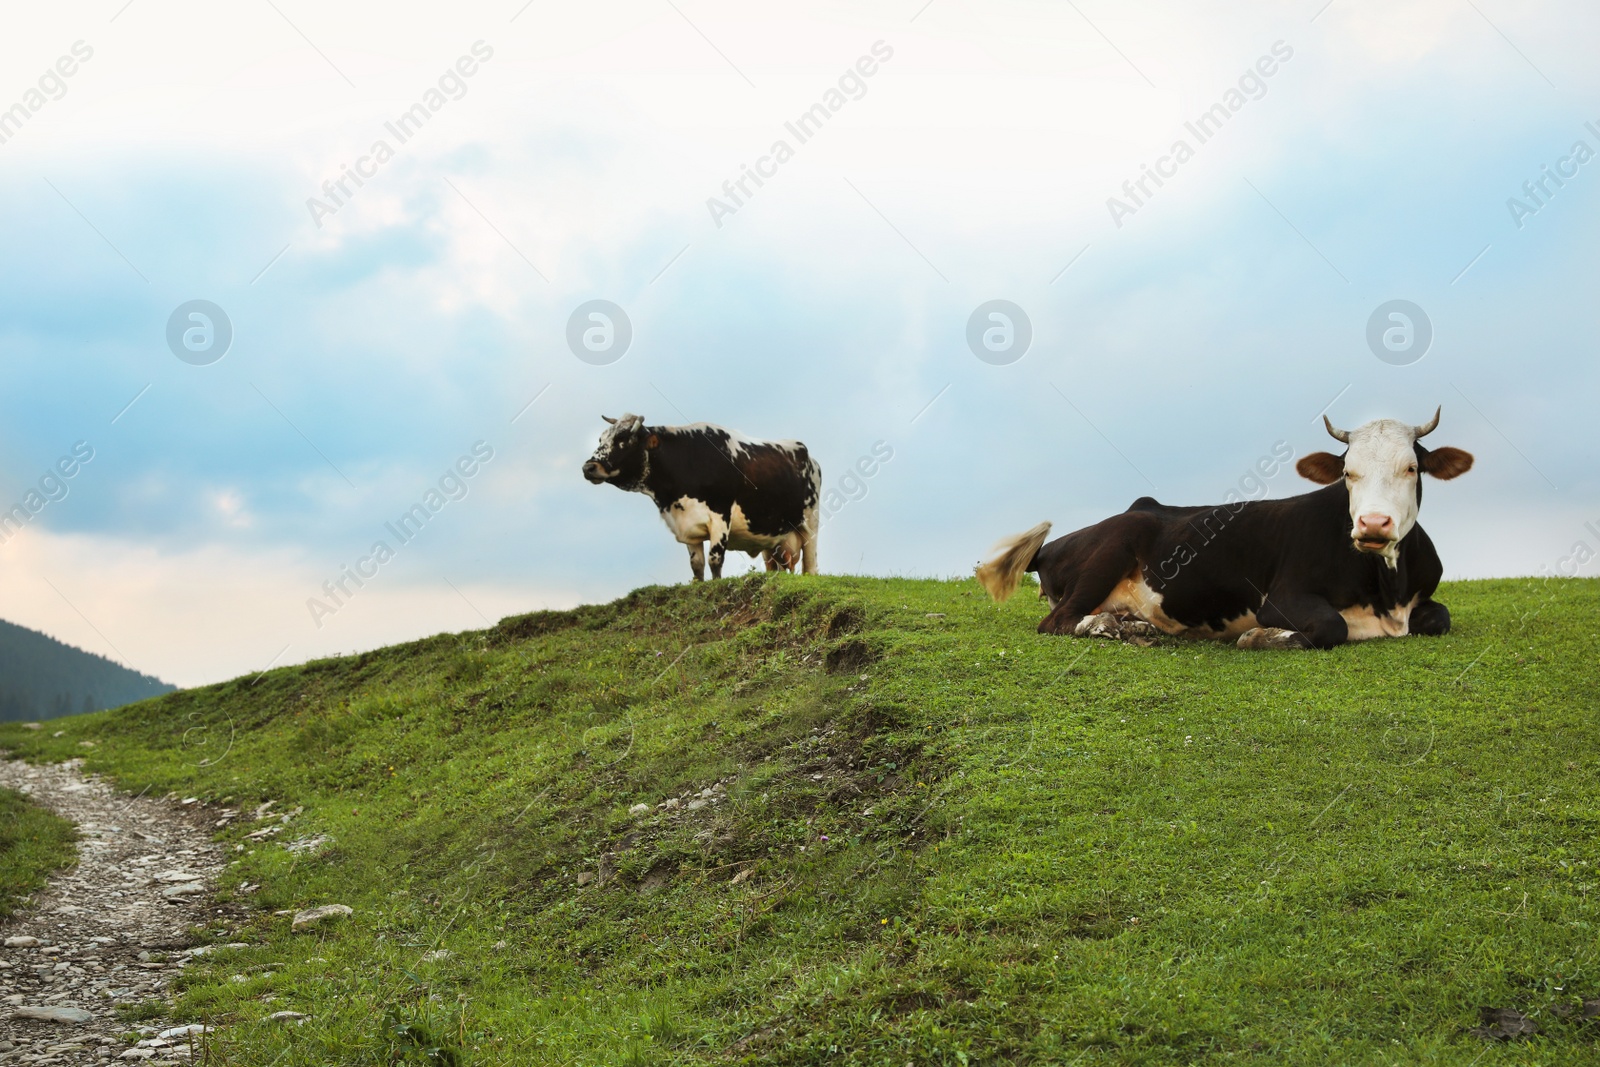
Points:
(112, 930)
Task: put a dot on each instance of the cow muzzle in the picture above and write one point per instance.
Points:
(1373, 533)
(595, 473)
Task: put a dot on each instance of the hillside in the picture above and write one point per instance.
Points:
(890, 824)
(41, 677)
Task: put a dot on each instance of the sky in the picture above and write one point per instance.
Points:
(1357, 153)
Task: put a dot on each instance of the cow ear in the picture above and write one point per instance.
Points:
(1324, 468)
(654, 440)
(1446, 463)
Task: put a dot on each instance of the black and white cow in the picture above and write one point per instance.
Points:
(1343, 563)
(715, 485)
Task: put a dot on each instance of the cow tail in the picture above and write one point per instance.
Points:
(1013, 556)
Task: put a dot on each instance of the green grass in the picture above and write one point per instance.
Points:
(33, 842)
(1076, 852)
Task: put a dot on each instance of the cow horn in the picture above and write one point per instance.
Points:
(609, 419)
(1428, 427)
(1336, 434)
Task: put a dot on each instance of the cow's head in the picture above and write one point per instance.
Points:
(621, 457)
(1382, 468)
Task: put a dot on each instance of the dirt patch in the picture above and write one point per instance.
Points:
(1503, 1024)
(848, 656)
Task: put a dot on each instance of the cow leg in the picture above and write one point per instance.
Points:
(719, 551)
(1430, 619)
(1116, 627)
(1296, 621)
(1084, 592)
(808, 543)
(697, 560)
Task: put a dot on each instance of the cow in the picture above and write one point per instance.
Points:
(1343, 563)
(715, 485)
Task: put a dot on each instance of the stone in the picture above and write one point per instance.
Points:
(54, 1013)
(184, 892)
(308, 844)
(639, 809)
(22, 941)
(311, 917)
(288, 1017)
(184, 1031)
(206, 950)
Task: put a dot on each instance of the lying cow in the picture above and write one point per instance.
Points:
(1344, 563)
(711, 484)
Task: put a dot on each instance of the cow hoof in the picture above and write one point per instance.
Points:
(1116, 627)
(1101, 625)
(1270, 637)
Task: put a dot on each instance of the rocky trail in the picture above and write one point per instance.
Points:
(112, 931)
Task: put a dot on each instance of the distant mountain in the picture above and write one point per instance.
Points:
(41, 678)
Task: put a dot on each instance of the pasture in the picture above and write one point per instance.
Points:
(904, 829)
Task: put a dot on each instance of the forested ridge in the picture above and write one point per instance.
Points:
(42, 678)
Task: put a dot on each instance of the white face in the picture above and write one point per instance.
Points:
(618, 444)
(1381, 472)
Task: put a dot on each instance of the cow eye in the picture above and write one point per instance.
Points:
(1411, 469)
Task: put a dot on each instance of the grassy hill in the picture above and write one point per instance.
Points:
(890, 824)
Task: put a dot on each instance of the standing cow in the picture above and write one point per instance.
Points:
(712, 484)
(1343, 563)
